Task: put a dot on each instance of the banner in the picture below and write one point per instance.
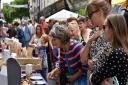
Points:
(19, 6)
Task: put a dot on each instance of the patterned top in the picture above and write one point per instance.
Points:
(70, 61)
(98, 51)
(36, 40)
(116, 64)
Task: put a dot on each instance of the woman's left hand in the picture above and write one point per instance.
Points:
(75, 76)
(95, 36)
(72, 78)
(106, 81)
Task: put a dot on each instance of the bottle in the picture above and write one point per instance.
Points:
(0, 47)
(28, 71)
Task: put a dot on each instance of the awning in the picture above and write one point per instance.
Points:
(62, 15)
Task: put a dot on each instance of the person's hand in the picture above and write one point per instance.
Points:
(37, 45)
(90, 64)
(54, 73)
(75, 76)
(93, 39)
(50, 38)
(50, 75)
(95, 36)
(90, 78)
(106, 82)
(72, 78)
(34, 45)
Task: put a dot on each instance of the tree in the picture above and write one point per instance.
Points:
(12, 13)
(78, 6)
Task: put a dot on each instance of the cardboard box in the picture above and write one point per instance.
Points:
(35, 67)
(36, 63)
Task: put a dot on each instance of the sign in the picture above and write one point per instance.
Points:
(18, 6)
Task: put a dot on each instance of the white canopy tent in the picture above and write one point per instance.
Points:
(62, 15)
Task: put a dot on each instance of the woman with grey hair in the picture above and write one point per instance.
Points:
(69, 61)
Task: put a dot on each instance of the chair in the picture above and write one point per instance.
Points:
(13, 72)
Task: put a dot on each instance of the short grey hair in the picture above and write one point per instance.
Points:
(60, 32)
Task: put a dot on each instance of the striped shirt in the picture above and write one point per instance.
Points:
(70, 61)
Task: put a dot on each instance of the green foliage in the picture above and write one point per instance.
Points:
(82, 11)
(12, 13)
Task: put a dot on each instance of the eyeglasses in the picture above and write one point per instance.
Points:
(90, 14)
(104, 27)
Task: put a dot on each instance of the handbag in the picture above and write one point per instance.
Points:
(35, 52)
(114, 81)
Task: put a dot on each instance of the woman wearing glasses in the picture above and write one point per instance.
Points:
(97, 11)
(116, 63)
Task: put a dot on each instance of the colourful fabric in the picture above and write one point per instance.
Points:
(79, 38)
(82, 80)
(55, 55)
(27, 34)
(20, 36)
(36, 40)
(70, 63)
(44, 25)
(72, 57)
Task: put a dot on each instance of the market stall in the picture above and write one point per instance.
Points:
(62, 15)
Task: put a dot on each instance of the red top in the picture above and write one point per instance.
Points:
(44, 25)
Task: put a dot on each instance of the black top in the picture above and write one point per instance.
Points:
(116, 64)
(12, 33)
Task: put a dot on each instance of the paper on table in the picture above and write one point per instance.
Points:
(36, 78)
(3, 70)
(38, 82)
(13, 55)
(6, 54)
(3, 80)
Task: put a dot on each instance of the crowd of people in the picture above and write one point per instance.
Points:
(90, 50)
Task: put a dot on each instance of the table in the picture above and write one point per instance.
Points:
(36, 82)
(36, 62)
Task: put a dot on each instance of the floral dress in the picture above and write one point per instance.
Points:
(99, 50)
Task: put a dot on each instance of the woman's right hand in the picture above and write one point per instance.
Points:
(90, 64)
(95, 36)
(34, 45)
(54, 73)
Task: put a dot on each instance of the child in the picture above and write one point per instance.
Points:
(43, 55)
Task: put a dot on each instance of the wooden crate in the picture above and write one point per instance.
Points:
(36, 62)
